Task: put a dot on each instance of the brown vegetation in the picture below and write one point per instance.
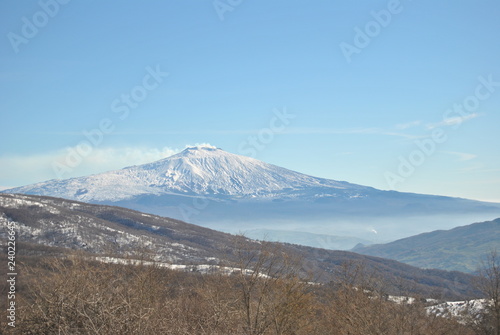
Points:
(113, 231)
(264, 294)
(489, 283)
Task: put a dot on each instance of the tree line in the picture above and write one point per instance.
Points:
(266, 292)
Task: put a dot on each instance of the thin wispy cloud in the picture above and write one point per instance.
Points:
(291, 131)
(403, 135)
(411, 124)
(470, 164)
(347, 131)
(162, 132)
(462, 156)
(320, 131)
(452, 121)
(472, 168)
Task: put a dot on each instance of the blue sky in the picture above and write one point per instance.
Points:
(400, 95)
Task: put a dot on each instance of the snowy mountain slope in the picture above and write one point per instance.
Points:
(220, 190)
(201, 170)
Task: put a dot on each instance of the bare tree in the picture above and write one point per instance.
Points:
(489, 284)
(267, 294)
(273, 296)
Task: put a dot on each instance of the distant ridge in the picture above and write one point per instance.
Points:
(208, 186)
(460, 249)
(46, 222)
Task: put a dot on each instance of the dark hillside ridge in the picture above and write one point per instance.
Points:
(461, 248)
(121, 232)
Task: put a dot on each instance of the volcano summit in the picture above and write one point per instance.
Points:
(211, 187)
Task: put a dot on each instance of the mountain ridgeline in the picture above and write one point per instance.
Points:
(459, 249)
(61, 225)
(216, 189)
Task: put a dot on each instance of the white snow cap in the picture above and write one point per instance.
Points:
(200, 170)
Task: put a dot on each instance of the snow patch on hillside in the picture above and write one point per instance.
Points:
(463, 311)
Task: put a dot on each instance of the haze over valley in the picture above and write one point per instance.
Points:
(208, 186)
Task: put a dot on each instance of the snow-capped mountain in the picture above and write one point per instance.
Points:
(220, 190)
(203, 170)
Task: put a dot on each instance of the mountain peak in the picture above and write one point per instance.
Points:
(199, 170)
(245, 190)
(199, 151)
(201, 147)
